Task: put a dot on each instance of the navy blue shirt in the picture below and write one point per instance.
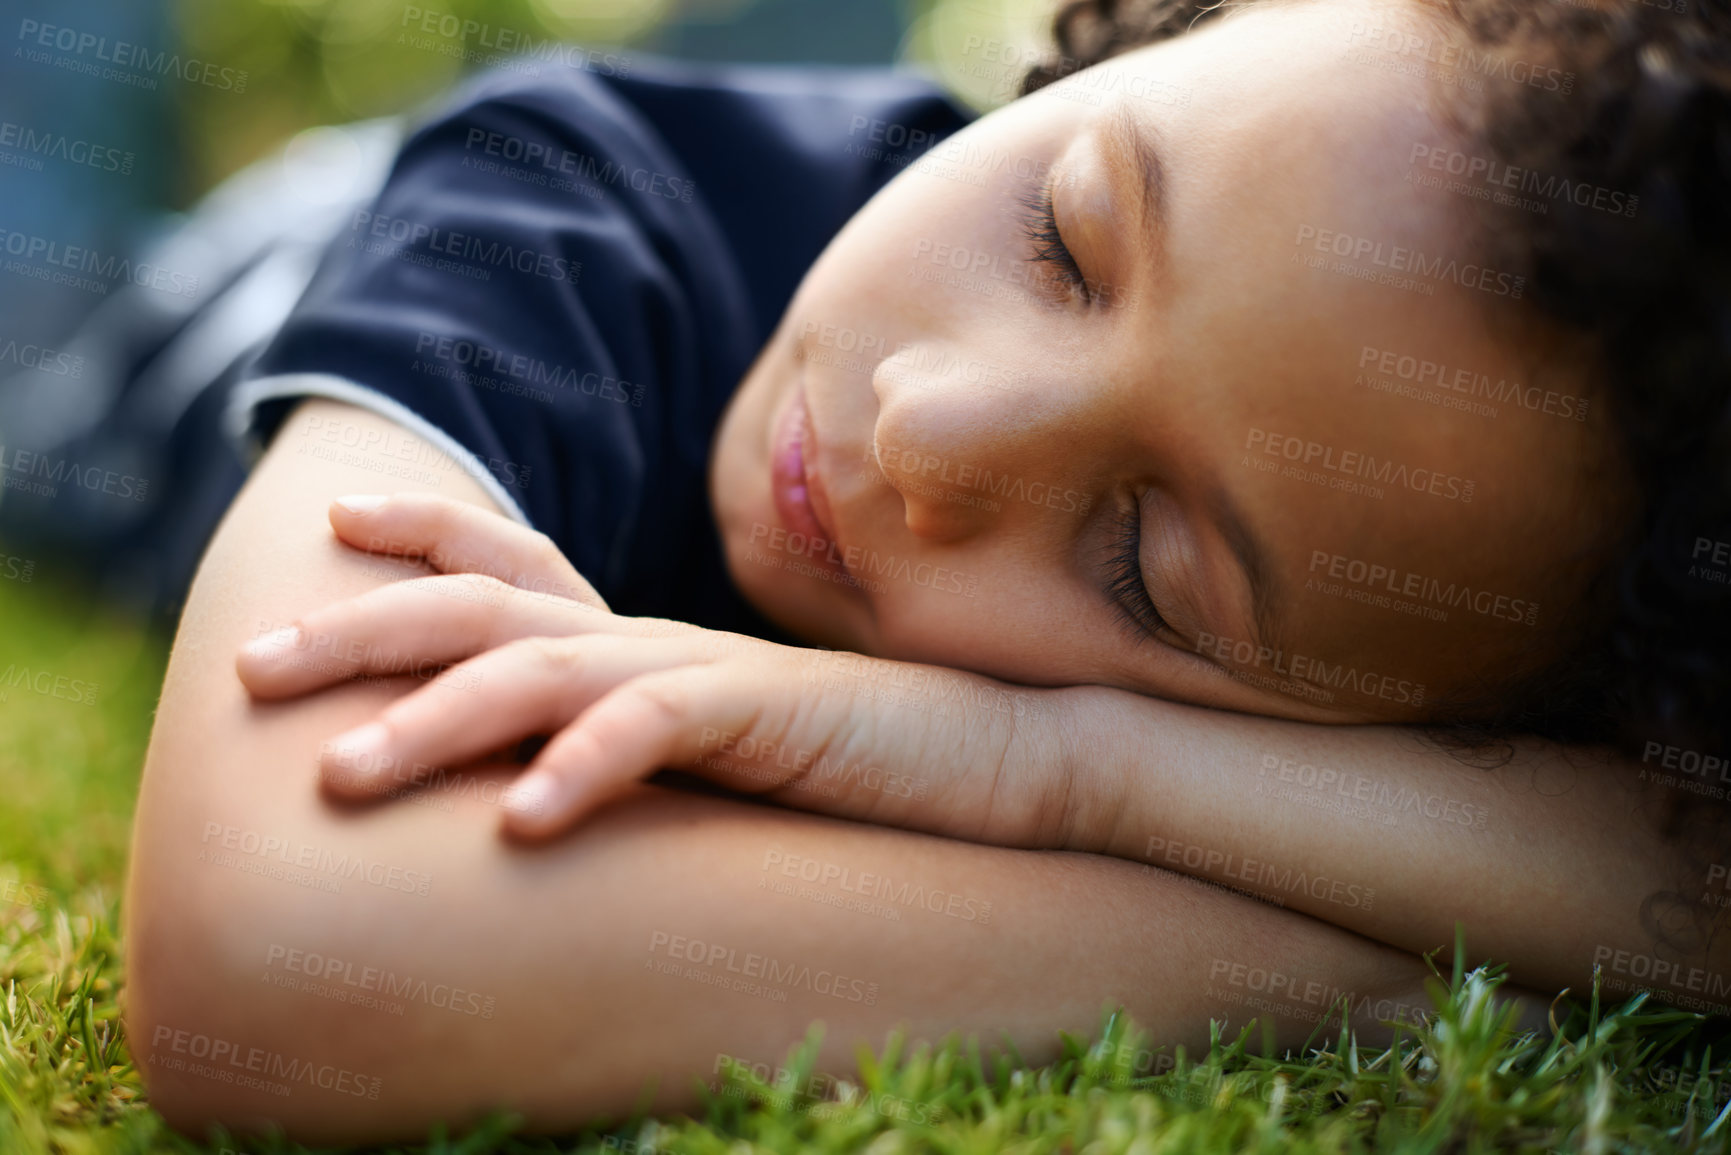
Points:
(566, 276)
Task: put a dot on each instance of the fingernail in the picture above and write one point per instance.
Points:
(274, 645)
(362, 749)
(361, 502)
(530, 794)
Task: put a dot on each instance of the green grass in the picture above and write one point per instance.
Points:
(1630, 1078)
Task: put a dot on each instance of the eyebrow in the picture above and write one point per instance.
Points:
(1128, 131)
(1248, 550)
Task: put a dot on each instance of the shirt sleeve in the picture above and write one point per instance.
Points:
(563, 280)
(539, 294)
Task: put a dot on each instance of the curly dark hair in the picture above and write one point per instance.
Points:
(1646, 294)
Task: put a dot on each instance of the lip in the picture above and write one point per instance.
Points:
(797, 489)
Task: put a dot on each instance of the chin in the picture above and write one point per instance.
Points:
(783, 599)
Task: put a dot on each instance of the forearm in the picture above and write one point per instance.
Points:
(286, 964)
(665, 909)
(1547, 858)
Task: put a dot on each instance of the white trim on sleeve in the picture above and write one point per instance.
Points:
(248, 395)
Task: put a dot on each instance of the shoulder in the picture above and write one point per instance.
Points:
(624, 100)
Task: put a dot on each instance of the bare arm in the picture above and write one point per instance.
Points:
(1551, 859)
(358, 973)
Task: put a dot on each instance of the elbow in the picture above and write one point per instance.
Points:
(188, 1013)
(215, 1042)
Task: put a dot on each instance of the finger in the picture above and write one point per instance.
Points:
(524, 688)
(457, 537)
(413, 627)
(668, 718)
(416, 627)
(489, 780)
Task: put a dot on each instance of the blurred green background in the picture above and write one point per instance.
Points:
(69, 771)
(319, 61)
(306, 63)
(313, 62)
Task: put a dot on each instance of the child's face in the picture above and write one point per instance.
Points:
(1274, 372)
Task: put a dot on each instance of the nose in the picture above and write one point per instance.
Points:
(940, 508)
(956, 436)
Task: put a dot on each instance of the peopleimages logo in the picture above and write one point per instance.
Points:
(1449, 55)
(810, 767)
(1631, 970)
(1356, 787)
(483, 358)
(28, 356)
(1418, 371)
(306, 856)
(892, 134)
(1399, 259)
(1303, 675)
(141, 61)
(1377, 578)
(914, 463)
(1261, 875)
(505, 45)
(786, 1089)
(535, 154)
(975, 269)
(410, 236)
(1689, 761)
(43, 475)
(229, 1062)
(853, 351)
(749, 966)
(48, 684)
(874, 885)
(1487, 177)
(1353, 463)
(47, 259)
(378, 980)
(58, 146)
(1279, 992)
(916, 687)
(861, 565)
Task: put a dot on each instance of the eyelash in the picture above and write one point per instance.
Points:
(1040, 226)
(1126, 588)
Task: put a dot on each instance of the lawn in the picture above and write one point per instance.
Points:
(1630, 1077)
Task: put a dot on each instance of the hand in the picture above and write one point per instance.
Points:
(844, 734)
(456, 537)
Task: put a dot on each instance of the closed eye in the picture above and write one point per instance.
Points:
(1040, 226)
(1125, 585)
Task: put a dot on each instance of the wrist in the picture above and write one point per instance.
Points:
(1088, 790)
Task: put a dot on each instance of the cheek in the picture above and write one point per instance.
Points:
(929, 246)
(1013, 617)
